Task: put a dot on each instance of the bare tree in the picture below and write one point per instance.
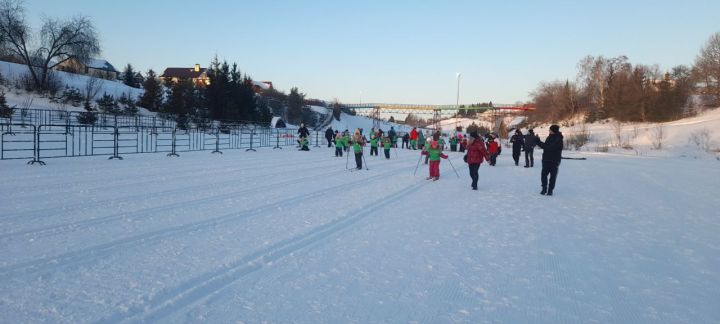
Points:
(657, 136)
(92, 88)
(58, 41)
(707, 65)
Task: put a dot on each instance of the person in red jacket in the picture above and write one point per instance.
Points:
(493, 149)
(413, 138)
(476, 153)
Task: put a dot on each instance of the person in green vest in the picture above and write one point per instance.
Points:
(387, 144)
(339, 144)
(304, 144)
(434, 153)
(346, 141)
(453, 144)
(358, 143)
(374, 145)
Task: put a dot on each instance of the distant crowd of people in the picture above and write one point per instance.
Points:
(477, 148)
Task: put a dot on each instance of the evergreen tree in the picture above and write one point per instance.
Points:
(152, 99)
(181, 102)
(295, 103)
(216, 94)
(108, 104)
(5, 110)
(129, 77)
(87, 117)
(337, 110)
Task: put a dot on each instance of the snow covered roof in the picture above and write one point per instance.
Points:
(100, 64)
(262, 84)
(174, 72)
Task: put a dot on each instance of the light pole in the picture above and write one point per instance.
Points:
(361, 97)
(457, 102)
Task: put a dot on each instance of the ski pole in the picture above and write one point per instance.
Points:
(453, 167)
(418, 164)
(347, 157)
(363, 158)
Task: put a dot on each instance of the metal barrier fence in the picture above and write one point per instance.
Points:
(53, 140)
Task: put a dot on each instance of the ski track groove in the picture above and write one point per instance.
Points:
(98, 251)
(140, 195)
(174, 299)
(176, 173)
(132, 198)
(144, 212)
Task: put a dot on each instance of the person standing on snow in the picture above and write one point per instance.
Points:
(552, 154)
(374, 145)
(303, 131)
(406, 141)
(517, 145)
(493, 149)
(393, 136)
(339, 145)
(434, 153)
(529, 145)
(329, 136)
(387, 144)
(358, 143)
(476, 153)
(413, 138)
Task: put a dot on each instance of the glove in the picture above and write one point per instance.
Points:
(444, 156)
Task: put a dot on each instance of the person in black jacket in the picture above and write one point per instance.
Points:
(329, 136)
(529, 146)
(552, 154)
(517, 142)
(303, 131)
(393, 135)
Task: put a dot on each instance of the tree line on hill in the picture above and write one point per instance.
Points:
(229, 95)
(615, 88)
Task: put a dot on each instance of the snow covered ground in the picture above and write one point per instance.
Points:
(282, 236)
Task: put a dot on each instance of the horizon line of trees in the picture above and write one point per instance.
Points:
(615, 88)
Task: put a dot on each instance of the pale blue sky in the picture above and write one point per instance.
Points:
(395, 51)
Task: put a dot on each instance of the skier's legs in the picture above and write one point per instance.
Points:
(474, 173)
(358, 160)
(554, 168)
(546, 166)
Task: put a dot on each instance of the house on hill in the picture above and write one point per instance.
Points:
(196, 74)
(93, 67)
(260, 86)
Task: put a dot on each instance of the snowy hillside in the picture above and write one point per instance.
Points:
(12, 72)
(695, 137)
(282, 236)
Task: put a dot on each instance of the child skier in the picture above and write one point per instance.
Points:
(387, 144)
(493, 149)
(374, 145)
(358, 149)
(434, 153)
(304, 144)
(339, 145)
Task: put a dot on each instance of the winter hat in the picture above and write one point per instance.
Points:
(555, 128)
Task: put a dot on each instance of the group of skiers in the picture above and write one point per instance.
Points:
(477, 148)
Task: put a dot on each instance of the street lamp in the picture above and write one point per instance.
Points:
(457, 102)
